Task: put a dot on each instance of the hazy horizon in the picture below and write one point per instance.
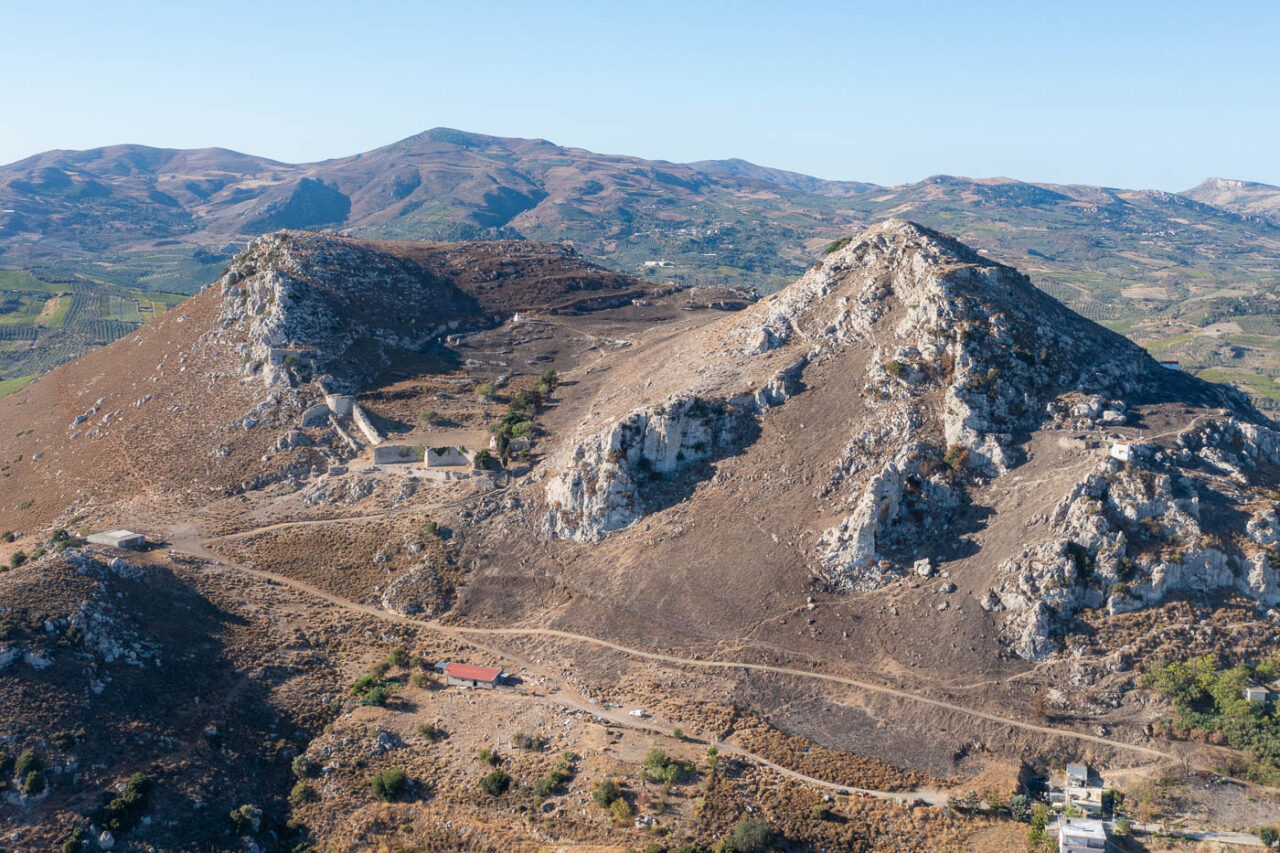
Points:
(1150, 96)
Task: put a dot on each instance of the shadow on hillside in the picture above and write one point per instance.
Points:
(166, 682)
(660, 490)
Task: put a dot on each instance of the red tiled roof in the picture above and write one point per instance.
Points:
(472, 673)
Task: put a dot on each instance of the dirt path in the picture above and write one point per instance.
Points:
(457, 632)
(567, 695)
(820, 676)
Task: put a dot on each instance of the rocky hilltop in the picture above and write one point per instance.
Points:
(960, 367)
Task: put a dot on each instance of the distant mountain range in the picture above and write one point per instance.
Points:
(125, 229)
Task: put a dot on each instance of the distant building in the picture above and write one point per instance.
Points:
(1171, 365)
(1076, 835)
(1120, 450)
(466, 675)
(1077, 775)
(125, 539)
(1257, 693)
(521, 317)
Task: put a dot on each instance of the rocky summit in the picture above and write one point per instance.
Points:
(441, 532)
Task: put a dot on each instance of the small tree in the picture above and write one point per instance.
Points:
(752, 835)
(1122, 826)
(34, 784)
(26, 762)
(621, 810)
(677, 733)
(1019, 808)
(301, 767)
(1268, 835)
(606, 792)
(496, 783)
(485, 390)
(17, 559)
(971, 801)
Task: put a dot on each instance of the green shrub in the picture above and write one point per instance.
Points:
(496, 783)
(122, 813)
(957, 456)
(389, 784)
(303, 793)
(1122, 826)
(431, 528)
(246, 819)
(1268, 835)
(27, 762)
(485, 390)
(488, 756)
(34, 784)
(17, 558)
(550, 379)
(302, 767)
(481, 460)
(895, 368)
(837, 245)
(606, 792)
(752, 835)
(1019, 808)
(399, 656)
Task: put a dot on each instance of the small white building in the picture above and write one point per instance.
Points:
(126, 539)
(1120, 450)
(1171, 365)
(1257, 693)
(521, 317)
(1076, 835)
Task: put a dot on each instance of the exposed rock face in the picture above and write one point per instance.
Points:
(1196, 519)
(616, 474)
(312, 304)
(966, 358)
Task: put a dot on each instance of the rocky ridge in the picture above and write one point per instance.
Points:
(959, 362)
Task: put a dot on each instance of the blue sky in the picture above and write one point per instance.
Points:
(1132, 94)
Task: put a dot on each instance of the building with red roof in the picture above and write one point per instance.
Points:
(466, 675)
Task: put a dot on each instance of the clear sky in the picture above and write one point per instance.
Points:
(1134, 94)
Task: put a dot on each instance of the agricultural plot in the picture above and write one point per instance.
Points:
(49, 318)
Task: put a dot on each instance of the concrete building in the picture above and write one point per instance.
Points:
(466, 675)
(1077, 835)
(447, 457)
(125, 539)
(1256, 693)
(1079, 792)
(396, 454)
(1120, 450)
